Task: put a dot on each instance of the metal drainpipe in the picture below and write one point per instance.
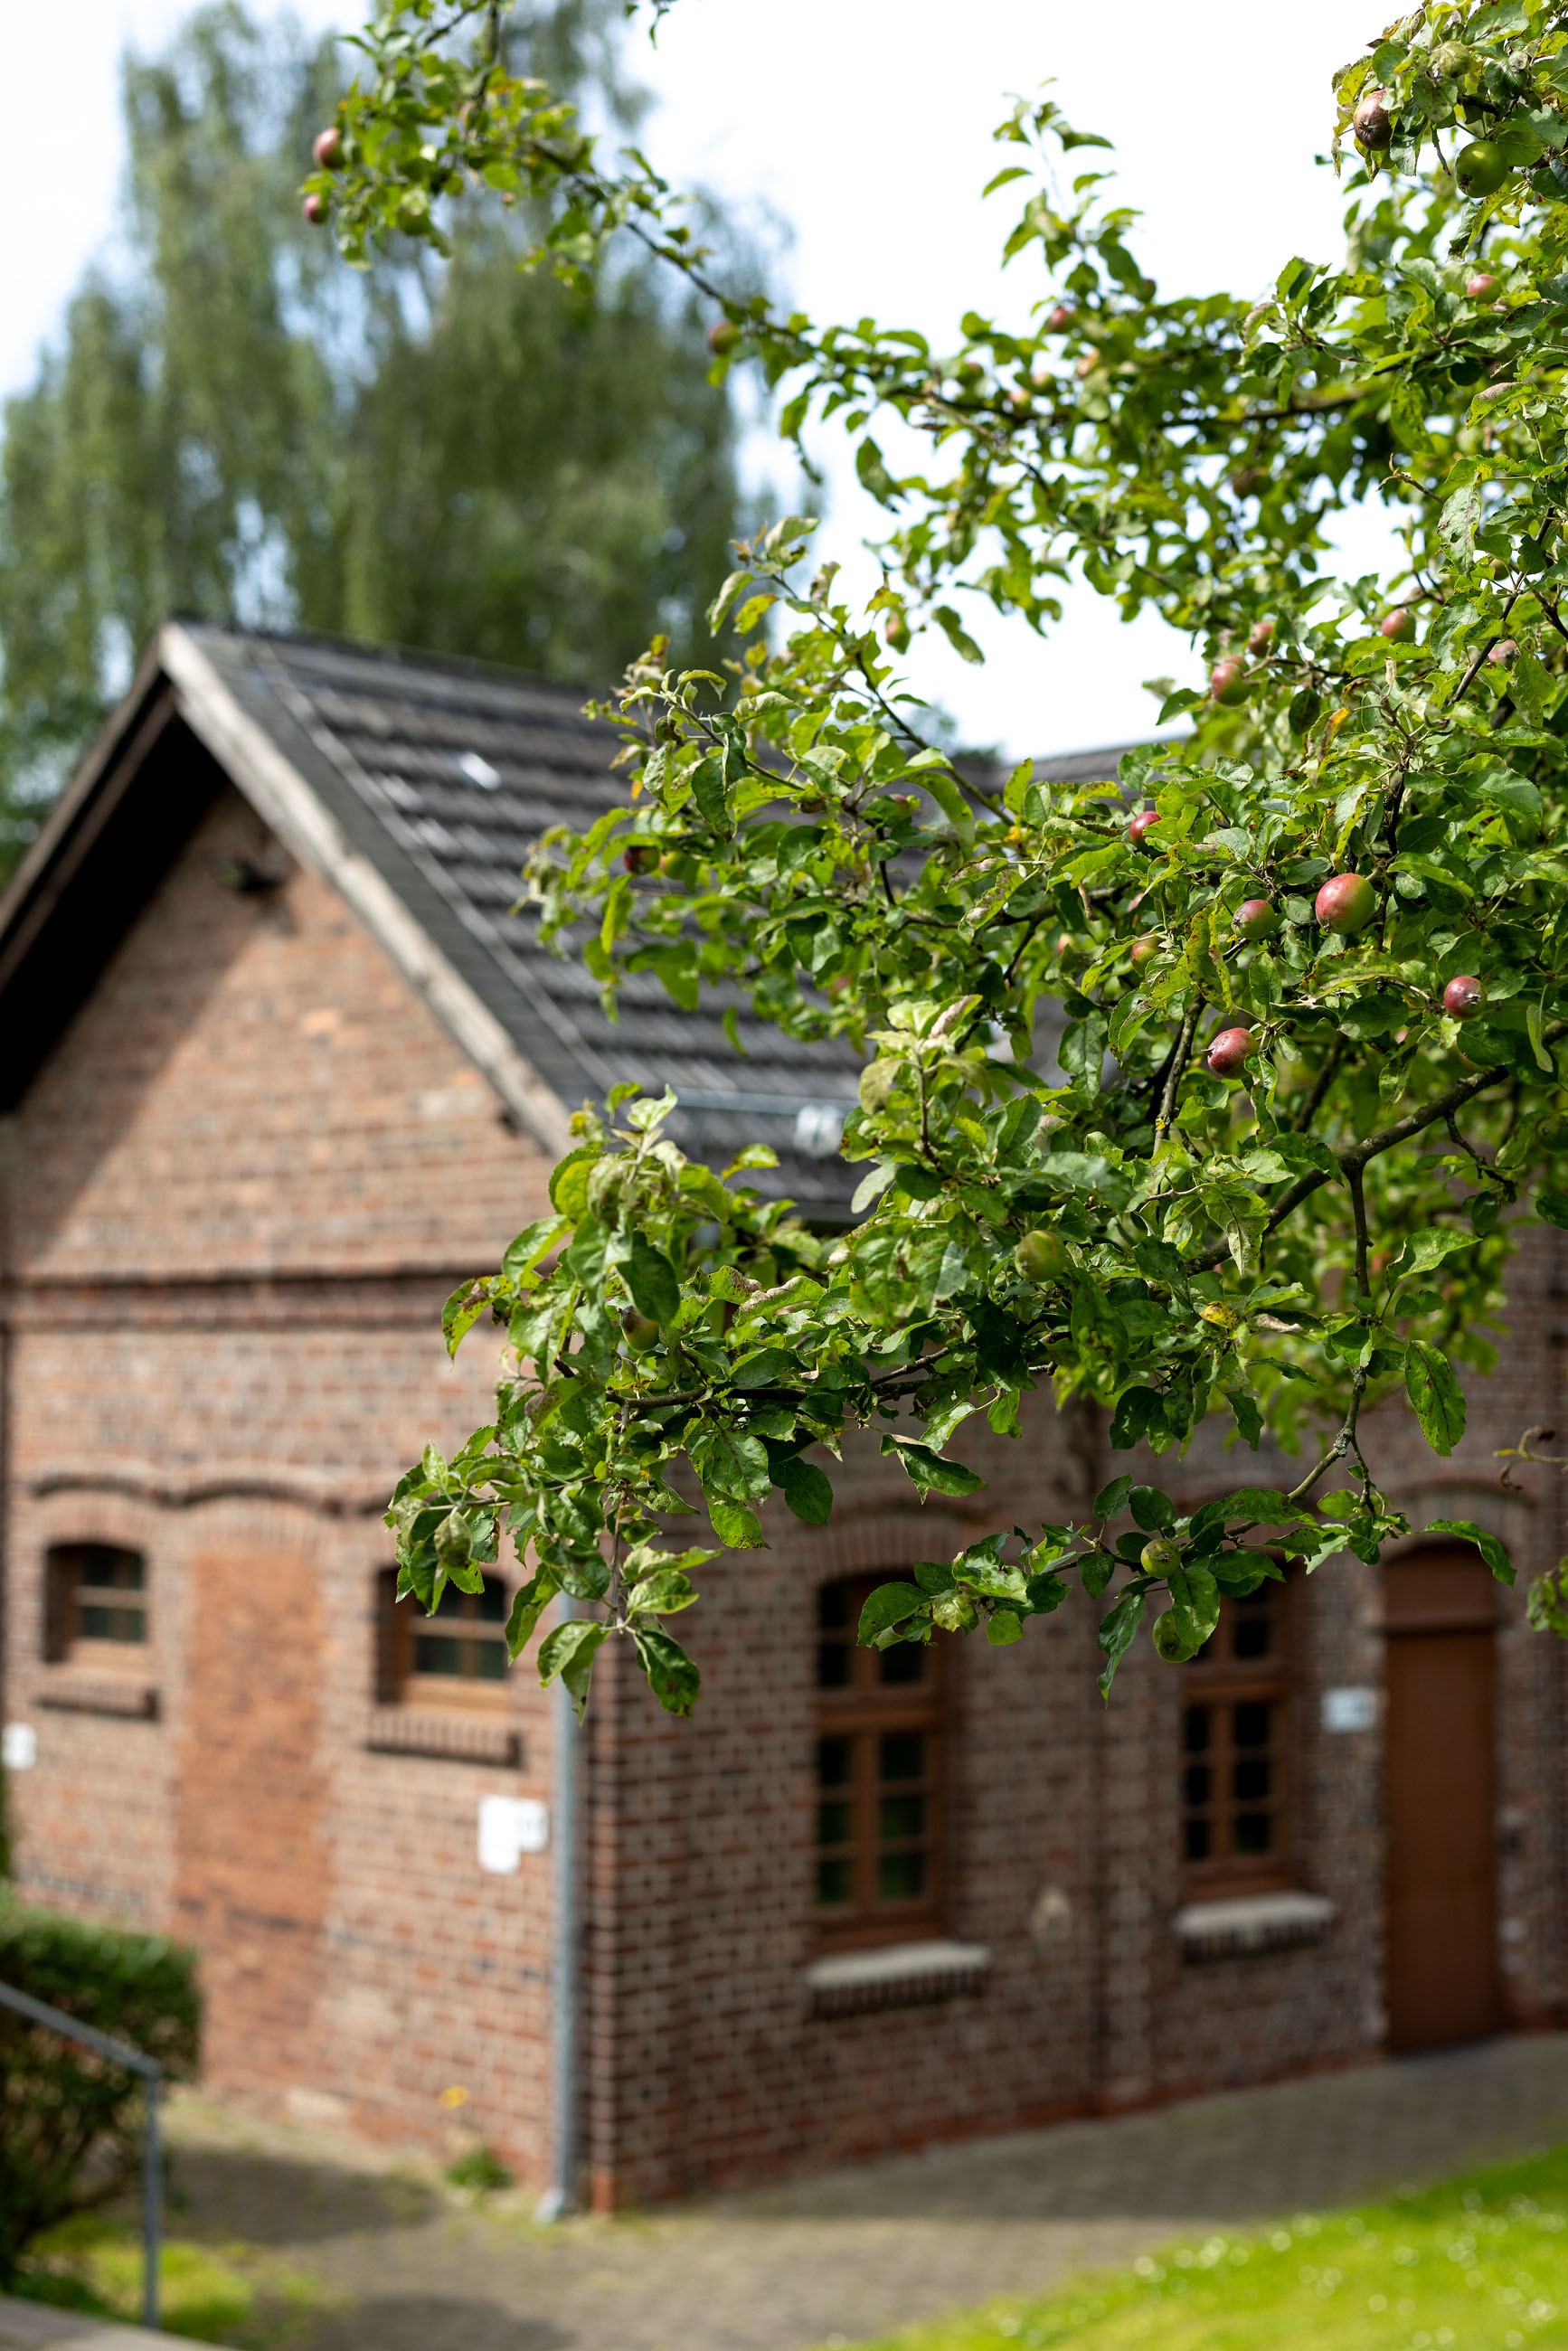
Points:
(560, 2196)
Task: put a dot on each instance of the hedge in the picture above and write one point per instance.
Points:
(70, 2122)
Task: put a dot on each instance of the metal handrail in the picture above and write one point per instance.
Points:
(135, 2061)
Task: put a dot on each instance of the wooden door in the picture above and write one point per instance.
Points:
(1439, 1617)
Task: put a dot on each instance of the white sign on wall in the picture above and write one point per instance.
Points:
(19, 1747)
(510, 1826)
(1349, 1710)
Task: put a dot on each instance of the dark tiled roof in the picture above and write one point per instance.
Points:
(444, 773)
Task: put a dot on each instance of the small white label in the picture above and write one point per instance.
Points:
(19, 1747)
(510, 1826)
(1349, 1710)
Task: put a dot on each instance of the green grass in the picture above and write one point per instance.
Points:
(233, 2294)
(1477, 2264)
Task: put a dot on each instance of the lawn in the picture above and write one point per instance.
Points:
(1477, 2264)
(235, 2294)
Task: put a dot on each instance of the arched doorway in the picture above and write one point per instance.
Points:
(1440, 1897)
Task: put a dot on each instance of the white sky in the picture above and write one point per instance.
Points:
(865, 125)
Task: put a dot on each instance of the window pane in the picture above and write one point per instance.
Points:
(1251, 1781)
(113, 1625)
(901, 1816)
(1254, 1833)
(834, 1823)
(1196, 1729)
(433, 1654)
(903, 1755)
(1196, 1781)
(121, 1569)
(1252, 1724)
(834, 1762)
(833, 1605)
(1198, 1840)
(900, 1877)
(904, 1664)
(835, 1881)
(1253, 1636)
(834, 1665)
(489, 1660)
(490, 1605)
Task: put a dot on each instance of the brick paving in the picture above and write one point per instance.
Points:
(854, 2254)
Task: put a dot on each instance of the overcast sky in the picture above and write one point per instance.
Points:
(865, 125)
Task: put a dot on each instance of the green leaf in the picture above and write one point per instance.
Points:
(568, 1651)
(1154, 1511)
(1117, 1628)
(652, 1279)
(1436, 1394)
(957, 636)
(528, 1607)
(672, 1675)
(1554, 1207)
(1494, 1552)
(730, 1464)
(568, 1183)
(888, 1605)
(736, 1527)
(462, 1310)
(871, 1186)
(1113, 1499)
(929, 1471)
(808, 1491)
(1004, 1626)
(711, 793)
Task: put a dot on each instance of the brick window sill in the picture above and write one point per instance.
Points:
(73, 1692)
(462, 1739)
(899, 1975)
(1246, 1924)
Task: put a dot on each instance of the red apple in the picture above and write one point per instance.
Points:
(641, 858)
(1502, 651)
(315, 208)
(1141, 826)
(1345, 903)
(1261, 638)
(1482, 288)
(1143, 950)
(328, 148)
(1256, 918)
(1228, 679)
(1464, 998)
(1370, 122)
(1399, 624)
(1088, 363)
(1226, 1057)
(1061, 318)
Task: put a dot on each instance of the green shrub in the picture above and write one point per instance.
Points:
(70, 2122)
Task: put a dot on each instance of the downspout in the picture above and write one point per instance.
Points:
(560, 2197)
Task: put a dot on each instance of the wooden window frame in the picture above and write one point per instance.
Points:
(402, 1626)
(69, 1592)
(1222, 1682)
(862, 1710)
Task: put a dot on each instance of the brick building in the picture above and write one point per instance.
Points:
(281, 1067)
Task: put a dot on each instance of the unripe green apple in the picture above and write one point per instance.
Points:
(1345, 903)
(642, 857)
(1159, 1555)
(1041, 1257)
(722, 337)
(1256, 918)
(1481, 167)
(1450, 61)
(1142, 951)
(1248, 480)
(1228, 679)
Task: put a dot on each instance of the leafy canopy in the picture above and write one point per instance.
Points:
(1066, 1180)
(451, 455)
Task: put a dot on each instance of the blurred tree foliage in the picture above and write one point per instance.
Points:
(452, 454)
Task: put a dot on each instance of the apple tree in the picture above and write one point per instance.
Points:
(1218, 1086)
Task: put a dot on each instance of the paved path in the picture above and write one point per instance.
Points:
(859, 2252)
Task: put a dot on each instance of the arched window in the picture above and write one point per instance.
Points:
(880, 1795)
(96, 1605)
(1235, 1764)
